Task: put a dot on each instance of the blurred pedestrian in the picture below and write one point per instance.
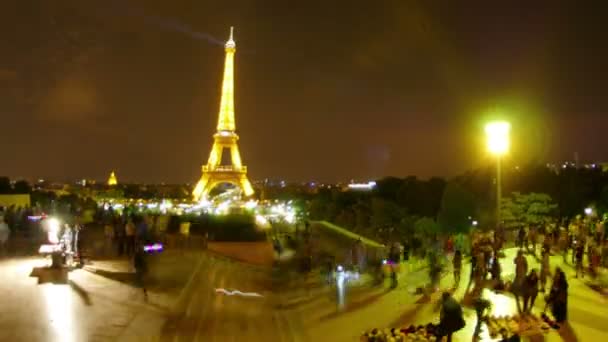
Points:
(530, 290)
(141, 268)
(482, 306)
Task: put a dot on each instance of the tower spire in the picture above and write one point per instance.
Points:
(230, 44)
(226, 114)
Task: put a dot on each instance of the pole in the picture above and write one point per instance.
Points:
(498, 190)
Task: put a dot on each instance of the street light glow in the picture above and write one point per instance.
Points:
(498, 137)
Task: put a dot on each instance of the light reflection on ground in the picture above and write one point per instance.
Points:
(502, 305)
(59, 309)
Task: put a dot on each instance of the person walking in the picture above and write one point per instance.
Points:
(530, 291)
(141, 268)
(130, 237)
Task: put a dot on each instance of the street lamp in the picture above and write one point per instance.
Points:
(497, 134)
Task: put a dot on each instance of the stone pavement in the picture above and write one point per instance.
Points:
(86, 308)
(379, 308)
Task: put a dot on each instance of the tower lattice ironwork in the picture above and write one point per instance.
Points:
(214, 172)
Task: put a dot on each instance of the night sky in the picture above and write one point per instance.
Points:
(327, 90)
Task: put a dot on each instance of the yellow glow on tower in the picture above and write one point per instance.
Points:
(225, 138)
(112, 180)
(226, 115)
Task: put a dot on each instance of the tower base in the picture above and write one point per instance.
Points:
(211, 179)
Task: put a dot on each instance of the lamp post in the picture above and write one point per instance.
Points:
(497, 134)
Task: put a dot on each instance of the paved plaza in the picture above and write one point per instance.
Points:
(90, 307)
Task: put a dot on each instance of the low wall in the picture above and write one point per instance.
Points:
(256, 253)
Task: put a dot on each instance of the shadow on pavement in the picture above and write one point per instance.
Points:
(537, 338)
(567, 334)
(406, 317)
(82, 293)
(123, 277)
(50, 275)
(597, 288)
(356, 305)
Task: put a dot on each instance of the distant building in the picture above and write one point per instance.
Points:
(112, 180)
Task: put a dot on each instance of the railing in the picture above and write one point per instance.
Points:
(224, 168)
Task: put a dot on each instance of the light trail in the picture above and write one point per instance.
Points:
(238, 293)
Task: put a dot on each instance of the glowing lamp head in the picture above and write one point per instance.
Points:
(497, 134)
(588, 211)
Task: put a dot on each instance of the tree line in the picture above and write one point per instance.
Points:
(396, 207)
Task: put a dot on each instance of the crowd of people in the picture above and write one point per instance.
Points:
(582, 243)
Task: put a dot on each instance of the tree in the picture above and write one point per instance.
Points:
(457, 207)
(386, 215)
(527, 209)
(5, 185)
(22, 187)
(426, 226)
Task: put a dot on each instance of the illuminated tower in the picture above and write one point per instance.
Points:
(112, 180)
(225, 138)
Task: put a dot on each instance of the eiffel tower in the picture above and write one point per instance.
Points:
(225, 138)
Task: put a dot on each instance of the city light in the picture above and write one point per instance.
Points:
(362, 186)
(497, 134)
(251, 204)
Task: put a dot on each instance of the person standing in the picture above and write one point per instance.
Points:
(406, 255)
(142, 230)
(108, 229)
(532, 237)
(521, 236)
(579, 253)
(521, 270)
(474, 267)
(457, 267)
(450, 319)
(558, 297)
(496, 272)
(5, 233)
(545, 270)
